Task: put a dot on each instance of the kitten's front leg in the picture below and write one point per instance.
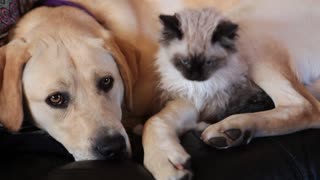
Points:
(164, 157)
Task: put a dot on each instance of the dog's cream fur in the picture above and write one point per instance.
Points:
(65, 50)
(277, 38)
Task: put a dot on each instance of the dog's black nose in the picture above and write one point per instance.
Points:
(111, 147)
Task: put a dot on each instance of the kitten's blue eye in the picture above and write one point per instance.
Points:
(185, 61)
(209, 62)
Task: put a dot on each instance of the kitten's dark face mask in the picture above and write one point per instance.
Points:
(199, 67)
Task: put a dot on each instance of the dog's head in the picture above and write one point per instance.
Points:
(74, 86)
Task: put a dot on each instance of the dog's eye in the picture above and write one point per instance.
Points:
(105, 83)
(58, 100)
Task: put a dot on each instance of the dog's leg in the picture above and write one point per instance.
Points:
(314, 88)
(295, 109)
(164, 157)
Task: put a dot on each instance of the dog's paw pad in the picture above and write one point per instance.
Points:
(218, 142)
(233, 134)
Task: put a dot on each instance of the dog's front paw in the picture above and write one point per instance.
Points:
(234, 130)
(167, 161)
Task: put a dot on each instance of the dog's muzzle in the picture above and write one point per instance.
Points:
(111, 147)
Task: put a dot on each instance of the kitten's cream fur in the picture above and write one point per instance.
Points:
(210, 96)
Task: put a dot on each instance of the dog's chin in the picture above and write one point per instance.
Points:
(88, 158)
(84, 156)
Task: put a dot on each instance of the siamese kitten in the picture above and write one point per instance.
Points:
(199, 62)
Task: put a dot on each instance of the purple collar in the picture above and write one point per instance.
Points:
(56, 3)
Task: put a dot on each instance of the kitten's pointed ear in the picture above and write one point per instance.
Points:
(225, 33)
(171, 27)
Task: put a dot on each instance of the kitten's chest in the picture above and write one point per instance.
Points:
(245, 98)
(217, 100)
(214, 108)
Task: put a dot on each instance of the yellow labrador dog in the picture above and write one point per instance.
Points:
(74, 74)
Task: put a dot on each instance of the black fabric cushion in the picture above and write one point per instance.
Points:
(30, 155)
(291, 157)
(85, 170)
(35, 155)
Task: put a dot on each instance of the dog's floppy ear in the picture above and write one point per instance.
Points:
(126, 57)
(13, 56)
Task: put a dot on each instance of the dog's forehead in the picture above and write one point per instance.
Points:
(57, 65)
(73, 52)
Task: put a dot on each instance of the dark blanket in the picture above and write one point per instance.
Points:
(10, 12)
